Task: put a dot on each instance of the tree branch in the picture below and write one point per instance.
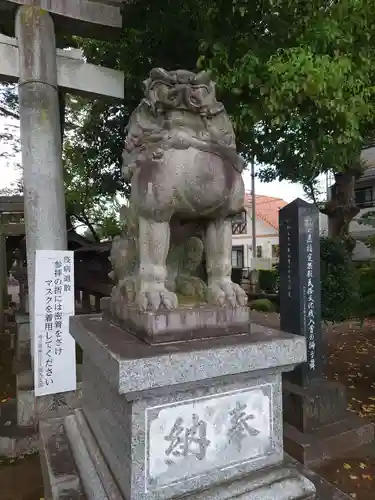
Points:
(12, 114)
(310, 191)
(85, 219)
(7, 112)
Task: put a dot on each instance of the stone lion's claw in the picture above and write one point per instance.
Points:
(153, 298)
(226, 293)
(169, 300)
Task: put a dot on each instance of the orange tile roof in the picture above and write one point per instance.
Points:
(266, 207)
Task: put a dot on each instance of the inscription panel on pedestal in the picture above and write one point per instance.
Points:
(191, 438)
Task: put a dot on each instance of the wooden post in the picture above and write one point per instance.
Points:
(97, 303)
(86, 302)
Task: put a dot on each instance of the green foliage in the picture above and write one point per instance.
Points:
(268, 280)
(262, 305)
(367, 289)
(9, 135)
(92, 172)
(371, 241)
(143, 46)
(298, 79)
(340, 287)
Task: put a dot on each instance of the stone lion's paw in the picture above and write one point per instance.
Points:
(128, 288)
(191, 286)
(226, 293)
(156, 298)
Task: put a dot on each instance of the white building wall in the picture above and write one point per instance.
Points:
(323, 224)
(266, 237)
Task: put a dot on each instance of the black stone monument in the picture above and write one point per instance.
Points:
(300, 284)
(317, 425)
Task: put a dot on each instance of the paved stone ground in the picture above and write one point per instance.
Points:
(350, 360)
(21, 480)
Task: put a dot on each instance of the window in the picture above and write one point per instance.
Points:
(363, 197)
(275, 251)
(237, 257)
(239, 223)
(240, 217)
(259, 252)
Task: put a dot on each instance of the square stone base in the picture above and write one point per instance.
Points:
(330, 442)
(174, 419)
(185, 323)
(317, 426)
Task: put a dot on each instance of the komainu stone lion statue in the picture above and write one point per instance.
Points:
(181, 158)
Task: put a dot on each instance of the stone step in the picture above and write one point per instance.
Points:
(324, 489)
(366, 451)
(71, 457)
(60, 473)
(329, 442)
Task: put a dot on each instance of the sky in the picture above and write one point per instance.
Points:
(285, 190)
(8, 173)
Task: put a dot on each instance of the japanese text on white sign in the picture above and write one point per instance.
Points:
(54, 347)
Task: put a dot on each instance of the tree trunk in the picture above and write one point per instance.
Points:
(342, 209)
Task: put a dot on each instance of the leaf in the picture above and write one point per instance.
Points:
(367, 476)
(347, 466)
(362, 465)
(353, 477)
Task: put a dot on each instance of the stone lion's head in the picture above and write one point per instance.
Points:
(182, 90)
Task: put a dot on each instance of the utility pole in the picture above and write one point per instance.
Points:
(253, 210)
(253, 273)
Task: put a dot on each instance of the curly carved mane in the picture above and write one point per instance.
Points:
(179, 110)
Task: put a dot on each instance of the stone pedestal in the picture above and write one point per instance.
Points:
(22, 368)
(18, 433)
(317, 426)
(187, 322)
(19, 417)
(200, 418)
(23, 333)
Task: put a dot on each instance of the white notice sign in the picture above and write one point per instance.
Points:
(54, 347)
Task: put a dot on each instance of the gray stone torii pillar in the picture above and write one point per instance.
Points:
(40, 139)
